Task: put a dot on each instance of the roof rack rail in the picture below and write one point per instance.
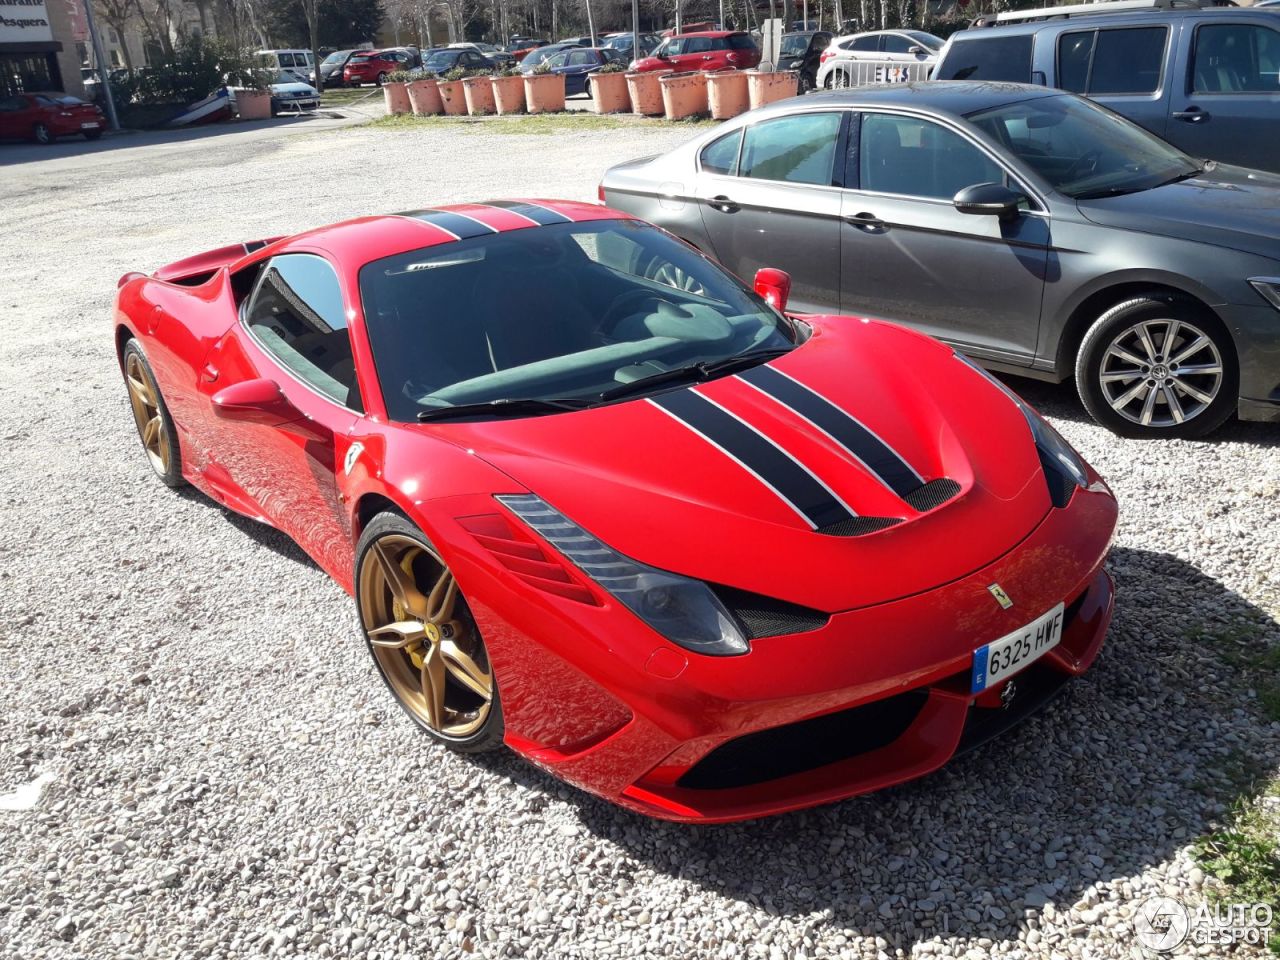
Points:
(1092, 9)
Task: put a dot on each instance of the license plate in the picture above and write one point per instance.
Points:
(1004, 657)
(88, 126)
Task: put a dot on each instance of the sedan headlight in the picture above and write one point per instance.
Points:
(1063, 468)
(1269, 287)
(683, 610)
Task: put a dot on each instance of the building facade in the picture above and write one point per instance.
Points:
(38, 46)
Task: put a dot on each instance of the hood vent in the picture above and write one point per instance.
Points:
(858, 526)
(932, 495)
(761, 616)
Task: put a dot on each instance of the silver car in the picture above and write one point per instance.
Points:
(1036, 231)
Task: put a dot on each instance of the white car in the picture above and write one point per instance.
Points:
(290, 92)
(880, 56)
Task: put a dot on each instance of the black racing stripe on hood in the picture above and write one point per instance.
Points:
(782, 473)
(542, 216)
(464, 228)
(878, 457)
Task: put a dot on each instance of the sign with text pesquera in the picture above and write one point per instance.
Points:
(24, 21)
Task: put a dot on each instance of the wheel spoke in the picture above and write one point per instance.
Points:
(1191, 391)
(1148, 405)
(399, 581)
(1125, 355)
(1129, 394)
(151, 432)
(1117, 376)
(1170, 338)
(1175, 408)
(397, 636)
(443, 596)
(1144, 335)
(1199, 369)
(465, 670)
(433, 688)
(1191, 349)
(141, 390)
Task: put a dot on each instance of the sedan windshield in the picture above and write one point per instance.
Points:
(337, 57)
(927, 40)
(551, 318)
(795, 44)
(441, 60)
(1084, 150)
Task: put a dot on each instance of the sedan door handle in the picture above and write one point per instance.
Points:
(866, 220)
(1191, 115)
(724, 204)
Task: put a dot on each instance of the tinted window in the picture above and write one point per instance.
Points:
(721, 156)
(1075, 50)
(919, 158)
(796, 149)
(896, 44)
(863, 43)
(296, 314)
(1236, 58)
(741, 41)
(697, 45)
(989, 58)
(1128, 61)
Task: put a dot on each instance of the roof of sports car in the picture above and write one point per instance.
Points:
(371, 238)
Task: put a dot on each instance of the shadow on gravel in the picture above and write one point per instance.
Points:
(1140, 757)
(269, 537)
(1061, 400)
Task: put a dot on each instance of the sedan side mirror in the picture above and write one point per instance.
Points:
(262, 402)
(989, 199)
(774, 286)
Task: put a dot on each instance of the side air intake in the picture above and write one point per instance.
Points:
(761, 616)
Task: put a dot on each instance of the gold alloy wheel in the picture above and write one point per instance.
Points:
(145, 400)
(424, 641)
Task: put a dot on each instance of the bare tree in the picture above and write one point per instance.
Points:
(117, 14)
(311, 10)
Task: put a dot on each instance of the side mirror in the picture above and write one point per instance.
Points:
(262, 402)
(774, 286)
(918, 52)
(989, 199)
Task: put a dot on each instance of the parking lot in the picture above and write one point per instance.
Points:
(227, 777)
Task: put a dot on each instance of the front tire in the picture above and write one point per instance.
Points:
(382, 78)
(151, 417)
(1158, 366)
(423, 638)
(40, 133)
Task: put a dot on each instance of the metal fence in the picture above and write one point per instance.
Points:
(857, 73)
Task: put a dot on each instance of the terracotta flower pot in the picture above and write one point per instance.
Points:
(396, 97)
(253, 104)
(478, 92)
(767, 87)
(452, 98)
(684, 94)
(508, 94)
(425, 97)
(609, 91)
(726, 93)
(646, 92)
(544, 92)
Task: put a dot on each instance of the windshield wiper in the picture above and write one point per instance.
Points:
(506, 407)
(1120, 191)
(694, 372)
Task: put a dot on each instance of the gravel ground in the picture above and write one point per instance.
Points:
(224, 776)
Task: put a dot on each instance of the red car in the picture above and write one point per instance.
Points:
(374, 66)
(598, 500)
(519, 49)
(709, 50)
(43, 117)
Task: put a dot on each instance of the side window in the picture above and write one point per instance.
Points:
(919, 158)
(796, 149)
(287, 60)
(988, 58)
(896, 44)
(582, 58)
(721, 156)
(741, 41)
(864, 44)
(1236, 58)
(12, 104)
(1128, 61)
(1075, 51)
(296, 314)
(697, 45)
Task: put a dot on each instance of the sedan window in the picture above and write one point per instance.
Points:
(296, 314)
(1236, 58)
(721, 156)
(919, 158)
(796, 149)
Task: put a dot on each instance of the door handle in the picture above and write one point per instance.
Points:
(1191, 115)
(724, 204)
(867, 221)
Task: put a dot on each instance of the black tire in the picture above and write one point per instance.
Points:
(390, 524)
(382, 78)
(42, 134)
(1184, 406)
(92, 134)
(165, 454)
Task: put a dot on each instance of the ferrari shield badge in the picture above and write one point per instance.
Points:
(1002, 598)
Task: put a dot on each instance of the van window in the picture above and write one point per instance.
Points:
(1112, 61)
(988, 58)
(1236, 58)
(286, 60)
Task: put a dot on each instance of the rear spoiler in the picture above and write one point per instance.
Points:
(196, 270)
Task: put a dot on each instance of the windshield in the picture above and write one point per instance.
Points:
(795, 44)
(1083, 150)
(441, 60)
(336, 57)
(926, 39)
(565, 311)
(361, 58)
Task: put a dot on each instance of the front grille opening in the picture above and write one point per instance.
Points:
(858, 526)
(932, 495)
(807, 745)
(761, 616)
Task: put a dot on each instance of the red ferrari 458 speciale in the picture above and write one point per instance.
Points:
(597, 499)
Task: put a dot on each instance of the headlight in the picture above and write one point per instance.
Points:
(683, 610)
(1063, 468)
(1269, 287)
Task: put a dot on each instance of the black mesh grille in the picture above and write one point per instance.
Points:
(932, 494)
(859, 526)
(762, 616)
(807, 745)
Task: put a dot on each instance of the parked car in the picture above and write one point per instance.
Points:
(1035, 230)
(374, 66)
(471, 418)
(519, 47)
(332, 66)
(880, 56)
(546, 52)
(495, 55)
(290, 92)
(43, 117)
(1207, 79)
(801, 52)
(443, 59)
(299, 60)
(712, 50)
(625, 44)
(578, 63)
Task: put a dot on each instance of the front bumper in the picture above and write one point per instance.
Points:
(877, 696)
